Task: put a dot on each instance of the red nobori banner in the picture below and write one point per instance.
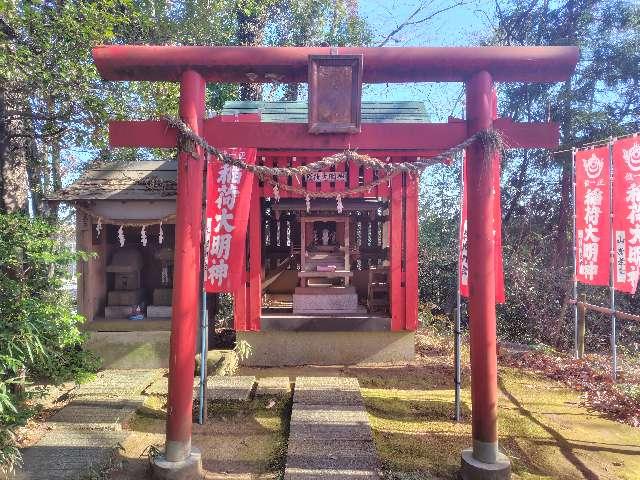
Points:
(228, 201)
(593, 239)
(626, 213)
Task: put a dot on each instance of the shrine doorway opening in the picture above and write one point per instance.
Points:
(333, 251)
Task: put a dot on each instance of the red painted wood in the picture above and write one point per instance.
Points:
(311, 186)
(296, 181)
(354, 172)
(237, 118)
(267, 189)
(285, 137)
(313, 155)
(528, 135)
(340, 186)
(255, 259)
(368, 178)
(186, 276)
(411, 254)
(290, 64)
(292, 136)
(395, 252)
(484, 374)
(151, 133)
(383, 188)
(325, 186)
(283, 180)
(241, 295)
(240, 316)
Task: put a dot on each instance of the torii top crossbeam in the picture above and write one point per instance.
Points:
(381, 65)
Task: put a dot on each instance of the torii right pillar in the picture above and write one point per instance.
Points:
(483, 460)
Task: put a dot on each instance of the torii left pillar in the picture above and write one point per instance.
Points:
(180, 459)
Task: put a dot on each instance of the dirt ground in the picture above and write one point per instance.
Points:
(239, 441)
(542, 427)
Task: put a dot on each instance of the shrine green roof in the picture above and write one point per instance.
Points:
(296, 112)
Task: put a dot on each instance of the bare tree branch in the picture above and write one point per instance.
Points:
(7, 29)
(409, 21)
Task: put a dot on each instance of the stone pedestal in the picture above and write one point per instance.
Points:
(162, 296)
(473, 469)
(117, 312)
(319, 300)
(159, 311)
(125, 297)
(188, 469)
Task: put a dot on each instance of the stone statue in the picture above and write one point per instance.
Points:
(325, 236)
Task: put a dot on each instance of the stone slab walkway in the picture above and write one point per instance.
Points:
(84, 434)
(330, 436)
(238, 388)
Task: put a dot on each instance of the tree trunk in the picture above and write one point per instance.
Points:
(34, 163)
(250, 32)
(13, 160)
(56, 175)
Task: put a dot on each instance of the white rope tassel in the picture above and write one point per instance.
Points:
(143, 235)
(339, 203)
(276, 193)
(121, 235)
(160, 235)
(98, 227)
(307, 201)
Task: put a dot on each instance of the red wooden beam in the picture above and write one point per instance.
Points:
(396, 292)
(289, 64)
(528, 135)
(416, 138)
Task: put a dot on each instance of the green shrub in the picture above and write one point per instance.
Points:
(39, 334)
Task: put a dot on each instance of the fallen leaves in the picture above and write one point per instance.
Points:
(588, 375)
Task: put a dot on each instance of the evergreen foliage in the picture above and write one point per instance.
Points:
(39, 334)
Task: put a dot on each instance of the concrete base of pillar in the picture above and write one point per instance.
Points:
(473, 469)
(188, 469)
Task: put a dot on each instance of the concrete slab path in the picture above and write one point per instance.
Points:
(84, 434)
(330, 436)
(238, 388)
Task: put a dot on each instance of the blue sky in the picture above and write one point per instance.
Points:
(460, 26)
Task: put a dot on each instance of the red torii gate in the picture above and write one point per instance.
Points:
(477, 67)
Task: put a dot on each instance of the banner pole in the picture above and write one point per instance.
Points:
(575, 258)
(204, 349)
(458, 332)
(204, 320)
(614, 350)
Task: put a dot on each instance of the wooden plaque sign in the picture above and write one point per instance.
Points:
(335, 91)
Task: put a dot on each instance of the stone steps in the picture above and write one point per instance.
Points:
(330, 436)
(84, 434)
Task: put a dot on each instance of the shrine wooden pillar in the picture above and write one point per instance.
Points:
(395, 254)
(240, 297)
(411, 252)
(255, 259)
(482, 313)
(186, 276)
